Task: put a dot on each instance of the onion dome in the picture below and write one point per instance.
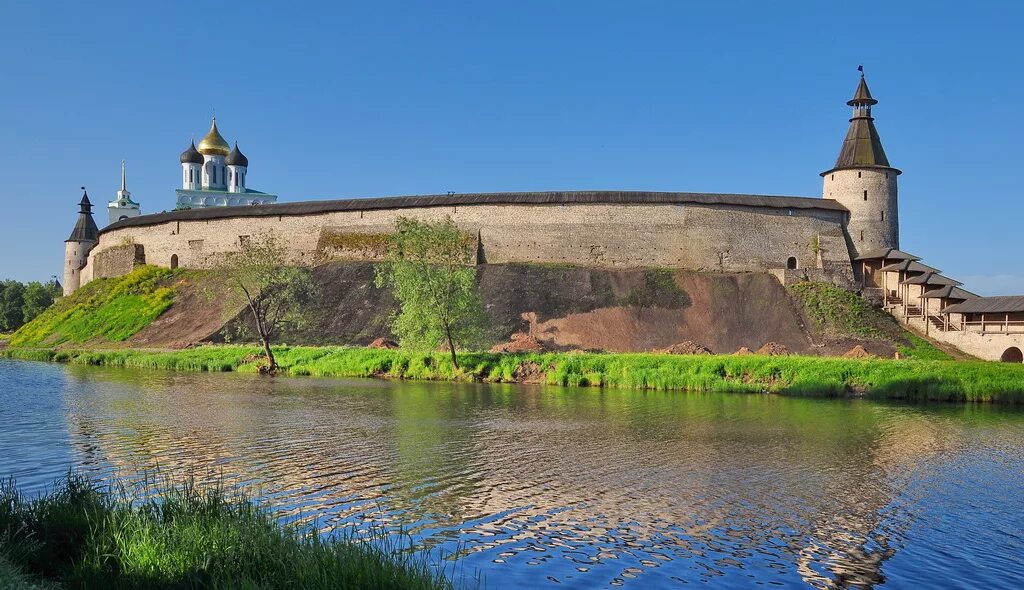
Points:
(214, 143)
(191, 155)
(236, 158)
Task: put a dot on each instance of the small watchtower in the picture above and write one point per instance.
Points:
(863, 181)
(78, 245)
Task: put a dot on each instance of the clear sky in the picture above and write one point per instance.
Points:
(346, 99)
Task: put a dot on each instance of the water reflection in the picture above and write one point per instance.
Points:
(583, 488)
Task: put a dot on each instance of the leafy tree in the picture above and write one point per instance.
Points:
(11, 302)
(258, 276)
(430, 269)
(35, 299)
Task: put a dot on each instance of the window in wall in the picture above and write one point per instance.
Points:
(862, 235)
(858, 174)
(791, 263)
(865, 195)
(883, 215)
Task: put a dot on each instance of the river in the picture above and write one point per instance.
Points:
(529, 486)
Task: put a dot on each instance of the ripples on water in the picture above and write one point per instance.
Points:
(575, 488)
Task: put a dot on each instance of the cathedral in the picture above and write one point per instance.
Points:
(214, 174)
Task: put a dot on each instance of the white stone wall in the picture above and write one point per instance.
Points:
(191, 176)
(989, 347)
(214, 173)
(698, 237)
(236, 179)
(871, 196)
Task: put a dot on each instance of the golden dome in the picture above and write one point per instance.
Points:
(214, 144)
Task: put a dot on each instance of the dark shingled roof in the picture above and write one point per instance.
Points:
(909, 266)
(949, 292)
(85, 228)
(1006, 304)
(930, 278)
(862, 147)
(888, 254)
(862, 96)
(537, 198)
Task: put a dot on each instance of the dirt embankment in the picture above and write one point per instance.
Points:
(560, 307)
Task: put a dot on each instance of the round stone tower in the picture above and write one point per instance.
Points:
(863, 181)
(78, 245)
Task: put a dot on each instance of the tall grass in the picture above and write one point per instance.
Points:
(82, 536)
(793, 375)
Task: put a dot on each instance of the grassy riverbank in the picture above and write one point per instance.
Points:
(810, 376)
(82, 536)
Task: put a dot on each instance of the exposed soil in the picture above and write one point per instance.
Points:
(687, 347)
(774, 349)
(520, 342)
(858, 352)
(546, 308)
(386, 343)
(198, 313)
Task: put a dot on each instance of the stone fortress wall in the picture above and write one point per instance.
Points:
(727, 233)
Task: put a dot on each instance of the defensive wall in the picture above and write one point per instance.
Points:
(696, 231)
(992, 346)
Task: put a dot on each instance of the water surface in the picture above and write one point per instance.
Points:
(558, 487)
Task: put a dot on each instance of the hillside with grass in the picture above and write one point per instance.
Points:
(564, 307)
(104, 311)
(837, 315)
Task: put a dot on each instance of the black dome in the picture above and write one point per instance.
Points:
(236, 158)
(191, 155)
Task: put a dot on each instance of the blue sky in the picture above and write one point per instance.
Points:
(339, 100)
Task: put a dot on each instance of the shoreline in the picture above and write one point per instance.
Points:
(909, 380)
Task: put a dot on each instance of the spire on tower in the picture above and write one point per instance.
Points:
(85, 229)
(123, 196)
(862, 146)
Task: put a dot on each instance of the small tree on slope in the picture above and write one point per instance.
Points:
(430, 269)
(273, 292)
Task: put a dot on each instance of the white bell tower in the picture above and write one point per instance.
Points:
(122, 207)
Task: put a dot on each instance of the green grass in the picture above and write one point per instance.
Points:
(80, 535)
(920, 380)
(104, 310)
(839, 313)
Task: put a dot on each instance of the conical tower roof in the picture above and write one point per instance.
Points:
(862, 96)
(85, 228)
(862, 147)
